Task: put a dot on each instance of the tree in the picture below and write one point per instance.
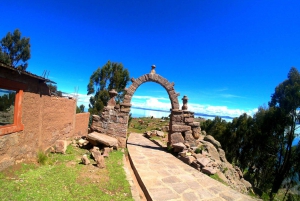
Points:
(286, 104)
(111, 76)
(80, 109)
(53, 90)
(14, 50)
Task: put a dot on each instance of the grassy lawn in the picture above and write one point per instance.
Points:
(64, 178)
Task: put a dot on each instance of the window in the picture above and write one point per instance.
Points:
(7, 106)
(11, 93)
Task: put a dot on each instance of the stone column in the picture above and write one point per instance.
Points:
(112, 103)
(184, 103)
(153, 69)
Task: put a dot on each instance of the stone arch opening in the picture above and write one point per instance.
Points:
(152, 77)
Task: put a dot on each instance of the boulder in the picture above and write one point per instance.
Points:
(106, 151)
(187, 159)
(222, 155)
(246, 183)
(61, 146)
(95, 152)
(209, 170)
(148, 134)
(178, 147)
(239, 172)
(160, 134)
(102, 139)
(165, 128)
(212, 140)
(82, 142)
(195, 165)
(85, 160)
(100, 161)
(203, 161)
(176, 138)
(212, 151)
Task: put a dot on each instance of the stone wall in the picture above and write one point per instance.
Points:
(183, 128)
(45, 119)
(113, 122)
(81, 124)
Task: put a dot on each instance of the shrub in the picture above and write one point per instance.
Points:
(42, 157)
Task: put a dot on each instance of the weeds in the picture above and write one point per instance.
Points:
(42, 157)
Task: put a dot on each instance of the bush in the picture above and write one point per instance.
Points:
(42, 157)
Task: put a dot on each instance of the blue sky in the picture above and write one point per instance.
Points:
(226, 56)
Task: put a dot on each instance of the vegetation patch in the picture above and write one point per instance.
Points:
(63, 177)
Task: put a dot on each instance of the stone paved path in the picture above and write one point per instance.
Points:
(164, 177)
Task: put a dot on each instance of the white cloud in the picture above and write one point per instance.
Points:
(149, 97)
(158, 103)
(82, 99)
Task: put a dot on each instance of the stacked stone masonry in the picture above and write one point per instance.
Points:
(114, 119)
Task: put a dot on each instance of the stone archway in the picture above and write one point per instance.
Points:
(152, 77)
(114, 119)
(182, 127)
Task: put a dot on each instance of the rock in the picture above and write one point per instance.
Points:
(95, 152)
(195, 165)
(85, 160)
(121, 141)
(187, 159)
(160, 134)
(203, 161)
(198, 156)
(176, 138)
(148, 134)
(209, 170)
(100, 161)
(106, 151)
(247, 184)
(222, 155)
(165, 128)
(178, 146)
(239, 172)
(102, 139)
(212, 151)
(61, 146)
(212, 140)
(183, 153)
(82, 142)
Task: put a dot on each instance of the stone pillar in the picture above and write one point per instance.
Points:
(112, 103)
(153, 69)
(184, 103)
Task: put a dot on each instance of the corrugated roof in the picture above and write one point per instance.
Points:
(27, 73)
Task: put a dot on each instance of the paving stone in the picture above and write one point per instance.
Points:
(171, 179)
(167, 178)
(190, 196)
(161, 194)
(180, 187)
(205, 194)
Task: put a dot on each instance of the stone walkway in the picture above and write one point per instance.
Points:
(164, 177)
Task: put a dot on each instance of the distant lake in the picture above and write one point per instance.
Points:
(144, 112)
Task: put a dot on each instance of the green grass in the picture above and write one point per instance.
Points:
(149, 124)
(216, 177)
(64, 178)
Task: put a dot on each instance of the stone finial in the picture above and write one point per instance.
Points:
(153, 69)
(112, 102)
(184, 103)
